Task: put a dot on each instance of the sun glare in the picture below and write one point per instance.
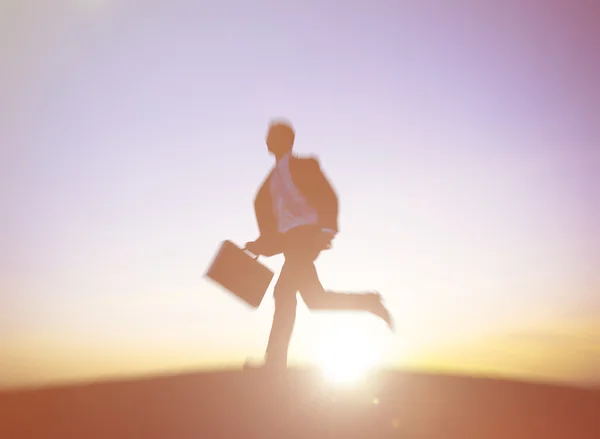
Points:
(346, 355)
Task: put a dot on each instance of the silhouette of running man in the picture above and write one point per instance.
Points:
(297, 213)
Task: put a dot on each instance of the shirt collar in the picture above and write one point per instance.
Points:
(284, 157)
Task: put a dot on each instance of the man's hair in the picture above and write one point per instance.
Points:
(282, 129)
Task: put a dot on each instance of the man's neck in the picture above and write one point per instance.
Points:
(280, 157)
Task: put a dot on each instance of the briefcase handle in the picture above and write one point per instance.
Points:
(250, 253)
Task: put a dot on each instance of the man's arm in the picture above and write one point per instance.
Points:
(267, 243)
(261, 210)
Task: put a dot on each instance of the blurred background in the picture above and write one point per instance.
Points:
(463, 138)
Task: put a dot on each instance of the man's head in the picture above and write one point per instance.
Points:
(280, 138)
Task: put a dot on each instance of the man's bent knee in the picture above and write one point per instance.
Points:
(315, 301)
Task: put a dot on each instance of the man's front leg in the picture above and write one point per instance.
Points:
(280, 336)
(284, 317)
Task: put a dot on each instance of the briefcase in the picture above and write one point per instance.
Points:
(240, 273)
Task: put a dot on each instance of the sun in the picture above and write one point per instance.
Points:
(346, 354)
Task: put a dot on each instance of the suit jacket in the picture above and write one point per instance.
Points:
(311, 182)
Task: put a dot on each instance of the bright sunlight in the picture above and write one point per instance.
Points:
(346, 354)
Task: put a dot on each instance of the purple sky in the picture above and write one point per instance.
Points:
(463, 139)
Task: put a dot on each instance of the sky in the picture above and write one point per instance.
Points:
(463, 139)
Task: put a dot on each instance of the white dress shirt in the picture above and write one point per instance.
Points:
(289, 205)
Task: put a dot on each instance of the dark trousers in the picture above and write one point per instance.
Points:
(299, 274)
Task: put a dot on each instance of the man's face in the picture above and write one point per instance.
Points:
(271, 142)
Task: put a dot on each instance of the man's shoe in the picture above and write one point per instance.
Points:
(266, 367)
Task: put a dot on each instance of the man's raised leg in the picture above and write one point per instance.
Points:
(317, 298)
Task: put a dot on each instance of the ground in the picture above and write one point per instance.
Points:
(238, 405)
